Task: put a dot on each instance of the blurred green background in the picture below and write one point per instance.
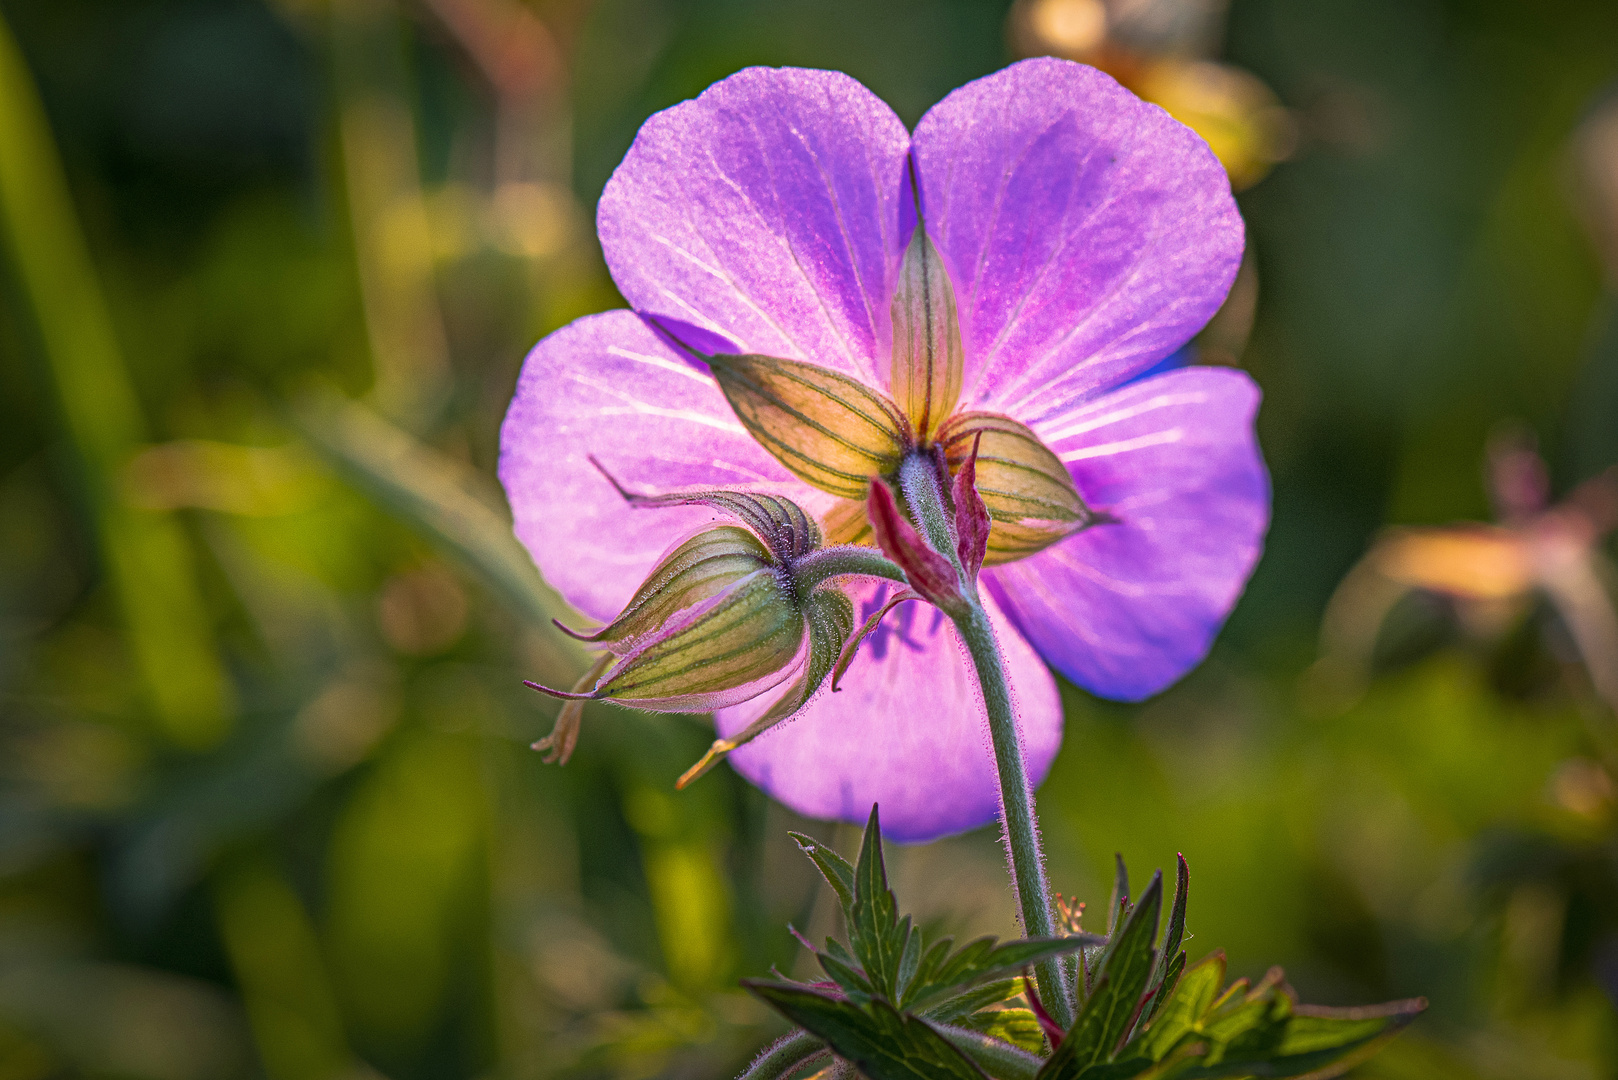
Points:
(268, 807)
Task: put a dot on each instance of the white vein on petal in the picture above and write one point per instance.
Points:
(673, 366)
(1104, 304)
(1128, 412)
(634, 406)
(831, 321)
(1069, 233)
(752, 207)
(1123, 446)
(848, 247)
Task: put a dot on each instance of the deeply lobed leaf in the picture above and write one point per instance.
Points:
(882, 1042)
(878, 937)
(904, 1011)
(1113, 1005)
(1206, 1030)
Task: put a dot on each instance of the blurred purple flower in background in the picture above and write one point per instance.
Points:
(1086, 236)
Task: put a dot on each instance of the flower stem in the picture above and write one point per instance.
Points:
(923, 489)
(843, 560)
(1017, 805)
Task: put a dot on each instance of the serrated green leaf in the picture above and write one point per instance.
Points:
(1253, 1021)
(1204, 1032)
(1111, 1007)
(1019, 1027)
(874, 930)
(1190, 1001)
(981, 960)
(837, 949)
(1119, 903)
(846, 975)
(832, 866)
(963, 1004)
(1174, 933)
(932, 962)
(882, 1042)
(910, 959)
(1305, 1043)
(1165, 988)
(994, 1056)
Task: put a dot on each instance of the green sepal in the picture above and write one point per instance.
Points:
(779, 523)
(883, 1043)
(928, 357)
(829, 616)
(1026, 489)
(832, 431)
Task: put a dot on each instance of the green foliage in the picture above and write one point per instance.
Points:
(1422, 276)
(898, 1010)
(882, 1041)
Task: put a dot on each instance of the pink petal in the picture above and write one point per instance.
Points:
(906, 730)
(767, 211)
(608, 385)
(1088, 233)
(1126, 609)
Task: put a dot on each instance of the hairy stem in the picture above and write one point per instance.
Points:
(841, 561)
(785, 1055)
(923, 488)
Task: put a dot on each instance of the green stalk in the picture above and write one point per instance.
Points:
(841, 561)
(924, 493)
(786, 1056)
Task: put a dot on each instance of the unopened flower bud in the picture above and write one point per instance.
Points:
(727, 614)
(716, 623)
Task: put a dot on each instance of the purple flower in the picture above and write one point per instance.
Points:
(1086, 236)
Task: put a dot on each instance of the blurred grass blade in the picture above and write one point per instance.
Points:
(438, 496)
(146, 553)
(275, 952)
(381, 163)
